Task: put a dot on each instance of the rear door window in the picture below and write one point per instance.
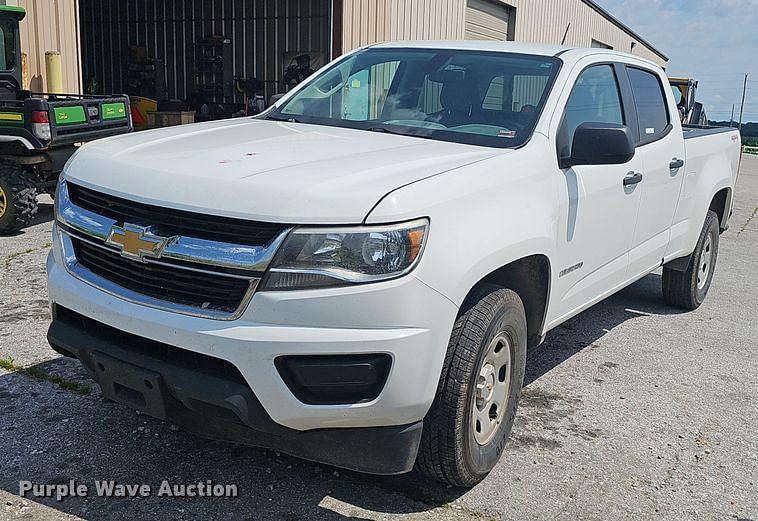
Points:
(652, 112)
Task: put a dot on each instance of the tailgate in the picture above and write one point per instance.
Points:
(88, 118)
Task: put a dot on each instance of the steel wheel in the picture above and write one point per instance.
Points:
(493, 384)
(480, 383)
(3, 202)
(704, 265)
(687, 288)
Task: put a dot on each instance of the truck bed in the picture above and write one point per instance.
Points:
(691, 132)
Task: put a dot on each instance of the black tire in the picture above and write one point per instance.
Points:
(449, 451)
(19, 196)
(687, 289)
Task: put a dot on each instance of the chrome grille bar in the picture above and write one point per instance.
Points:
(181, 248)
(206, 258)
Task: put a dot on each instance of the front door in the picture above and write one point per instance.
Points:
(597, 223)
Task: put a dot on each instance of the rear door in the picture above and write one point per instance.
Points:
(661, 146)
(597, 227)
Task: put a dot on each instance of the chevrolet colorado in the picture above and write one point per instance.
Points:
(355, 275)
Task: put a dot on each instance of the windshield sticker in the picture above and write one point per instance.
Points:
(649, 130)
(507, 133)
(356, 84)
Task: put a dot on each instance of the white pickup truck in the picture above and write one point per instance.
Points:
(355, 276)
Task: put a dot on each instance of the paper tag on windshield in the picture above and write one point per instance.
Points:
(356, 84)
(507, 133)
(649, 130)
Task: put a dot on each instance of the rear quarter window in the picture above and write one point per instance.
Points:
(649, 98)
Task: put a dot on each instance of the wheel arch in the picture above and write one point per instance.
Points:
(721, 203)
(530, 278)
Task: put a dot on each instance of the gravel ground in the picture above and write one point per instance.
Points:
(632, 410)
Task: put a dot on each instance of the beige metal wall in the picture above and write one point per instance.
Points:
(541, 21)
(371, 21)
(545, 21)
(51, 25)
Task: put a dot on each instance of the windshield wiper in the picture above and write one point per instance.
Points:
(382, 129)
(285, 119)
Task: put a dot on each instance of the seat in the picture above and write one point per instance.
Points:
(459, 98)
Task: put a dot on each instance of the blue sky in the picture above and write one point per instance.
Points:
(714, 41)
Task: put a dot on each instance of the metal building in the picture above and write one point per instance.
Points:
(99, 40)
(51, 25)
(581, 23)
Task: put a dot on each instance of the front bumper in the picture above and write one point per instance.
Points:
(209, 397)
(403, 318)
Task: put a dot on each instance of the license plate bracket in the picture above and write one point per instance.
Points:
(130, 385)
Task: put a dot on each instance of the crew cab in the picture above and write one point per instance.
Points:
(354, 276)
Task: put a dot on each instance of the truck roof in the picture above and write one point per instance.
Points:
(538, 49)
(479, 45)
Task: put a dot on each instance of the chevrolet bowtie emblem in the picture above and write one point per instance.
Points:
(136, 242)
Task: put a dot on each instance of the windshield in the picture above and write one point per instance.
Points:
(7, 46)
(473, 97)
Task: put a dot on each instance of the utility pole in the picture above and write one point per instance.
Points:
(742, 106)
(731, 118)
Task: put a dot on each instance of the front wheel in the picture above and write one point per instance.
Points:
(473, 411)
(687, 289)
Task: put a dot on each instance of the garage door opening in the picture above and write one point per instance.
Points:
(489, 20)
(188, 53)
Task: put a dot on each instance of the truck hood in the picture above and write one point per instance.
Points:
(265, 170)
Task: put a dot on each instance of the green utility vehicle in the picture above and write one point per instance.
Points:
(39, 131)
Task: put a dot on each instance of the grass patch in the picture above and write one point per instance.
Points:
(12, 256)
(15, 255)
(34, 372)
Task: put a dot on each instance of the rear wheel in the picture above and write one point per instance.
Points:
(18, 198)
(469, 422)
(687, 289)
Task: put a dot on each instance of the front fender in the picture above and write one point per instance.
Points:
(482, 217)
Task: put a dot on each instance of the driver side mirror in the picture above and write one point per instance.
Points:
(600, 144)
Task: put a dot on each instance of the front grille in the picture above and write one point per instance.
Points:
(170, 222)
(198, 289)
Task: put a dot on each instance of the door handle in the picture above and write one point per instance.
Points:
(676, 163)
(632, 179)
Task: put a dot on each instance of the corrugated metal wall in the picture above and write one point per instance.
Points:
(51, 25)
(370, 21)
(542, 21)
(261, 31)
(545, 21)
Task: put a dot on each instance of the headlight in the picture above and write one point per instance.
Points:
(59, 192)
(331, 257)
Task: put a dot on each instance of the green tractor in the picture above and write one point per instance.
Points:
(39, 131)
